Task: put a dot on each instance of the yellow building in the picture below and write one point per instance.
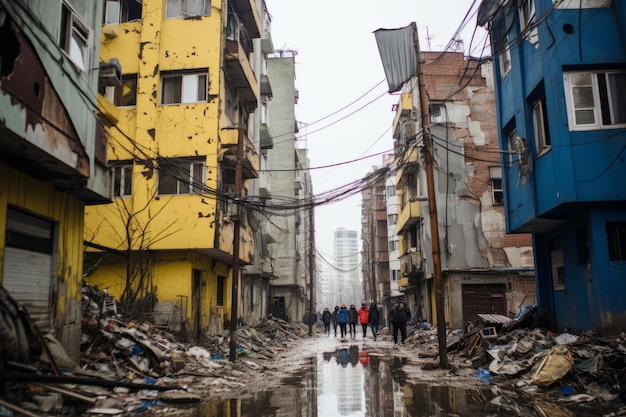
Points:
(177, 121)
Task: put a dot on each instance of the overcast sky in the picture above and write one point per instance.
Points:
(338, 65)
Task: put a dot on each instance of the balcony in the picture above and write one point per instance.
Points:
(410, 214)
(410, 269)
(267, 45)
(237, 67)
(403, 112)
(229, 139)
(267, 142)
(249, 16)
(266, 87)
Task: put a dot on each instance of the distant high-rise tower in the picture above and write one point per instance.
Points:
(347, 288)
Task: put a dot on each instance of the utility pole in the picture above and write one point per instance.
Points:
(234, 305)
(311, 267)
(432, 205)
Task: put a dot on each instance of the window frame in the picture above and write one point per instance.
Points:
(183, 12)
(190, 167)
(220, 291)
(183, 96)
(601, 94)
(123, 171)
(511, 138)
(115, 94)
(72, 23)
(540, 127)
(557, 265)
(616, 240)
(123, 12)
(497, 193)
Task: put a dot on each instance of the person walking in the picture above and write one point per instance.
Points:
(363, 316)
(391, 319)
(334, 316)
(400, 317)
(343, 318)
(373, 318)
(354, 319)
(326, 319)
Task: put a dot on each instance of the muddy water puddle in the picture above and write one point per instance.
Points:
(357, 383)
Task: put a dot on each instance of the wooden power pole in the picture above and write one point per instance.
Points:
(432, 205)
(312, 303)
(234, 305)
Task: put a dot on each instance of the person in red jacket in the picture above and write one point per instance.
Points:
(363, 316)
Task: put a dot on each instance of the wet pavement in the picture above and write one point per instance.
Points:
(325, 377)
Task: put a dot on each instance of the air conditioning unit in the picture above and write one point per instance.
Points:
(110, 73)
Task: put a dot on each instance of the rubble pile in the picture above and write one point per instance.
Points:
(129, 366)
(534, 361)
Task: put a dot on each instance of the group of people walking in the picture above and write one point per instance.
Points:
(347, 320)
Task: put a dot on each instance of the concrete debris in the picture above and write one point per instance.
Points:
(130, 366)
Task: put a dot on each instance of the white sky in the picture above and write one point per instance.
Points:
(337, 63)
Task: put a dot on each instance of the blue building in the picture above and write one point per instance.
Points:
(560, 83)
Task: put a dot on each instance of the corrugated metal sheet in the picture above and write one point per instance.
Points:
(27, 278)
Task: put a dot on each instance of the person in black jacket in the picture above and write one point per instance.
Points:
(399, 316)
(373, 318)
(354, 319)
(335, 319)
(326, 319)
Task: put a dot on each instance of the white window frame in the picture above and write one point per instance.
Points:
(542, 138)
(189, 87)
(189, 174)
(122, 176)
(75, 40)
(175, 9)
(596, 106)
(495, 178)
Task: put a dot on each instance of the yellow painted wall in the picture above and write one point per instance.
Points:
(22, 191)
(172, 277)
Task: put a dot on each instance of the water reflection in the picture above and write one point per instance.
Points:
(355, 383)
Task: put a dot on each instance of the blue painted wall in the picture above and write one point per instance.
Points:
(578, 184)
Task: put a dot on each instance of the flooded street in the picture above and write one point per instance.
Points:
(326, 378)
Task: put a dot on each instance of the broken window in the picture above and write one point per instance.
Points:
(74, 37)
(124, 95)
(510, 131)
(595, 99)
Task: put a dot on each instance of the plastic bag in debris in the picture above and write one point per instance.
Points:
(484, 376)
(565, 338)
(555, 365)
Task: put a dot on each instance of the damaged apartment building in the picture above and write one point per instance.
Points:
(484, 269)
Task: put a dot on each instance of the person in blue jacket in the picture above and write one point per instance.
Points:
(342, 319)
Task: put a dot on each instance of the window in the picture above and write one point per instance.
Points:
(391, 191)
(558, 265)
(220, 291)
(392, 218)
(74, 37)
(595, 99)
(186, 8)
(122, 180)
(184, 88)
(120, 11)
(495, 175)
(616, 235)
(181, 176)
(505, 62)
(542, 137)
(511, 138)
(526, 13)
(124, 95)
